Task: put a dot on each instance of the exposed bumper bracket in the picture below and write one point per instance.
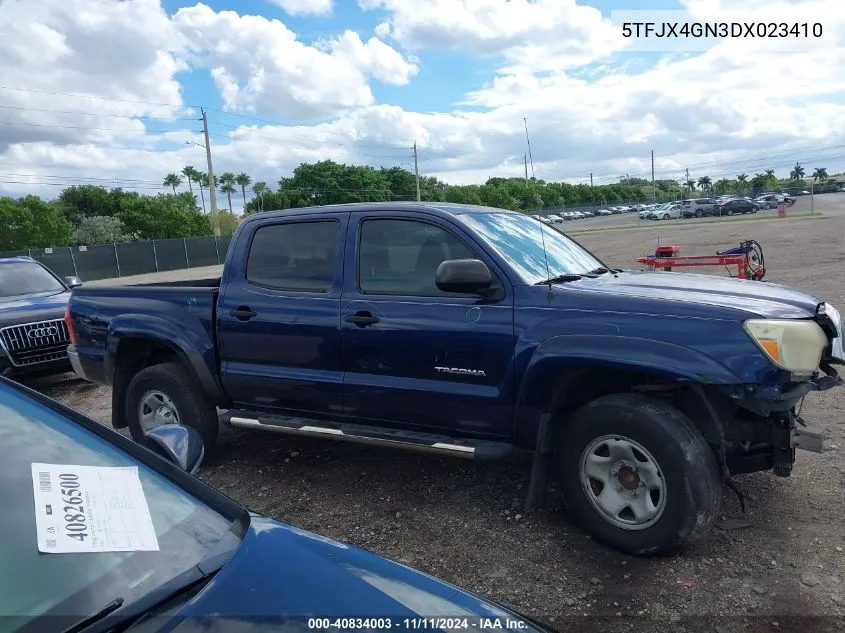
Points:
(809, 441)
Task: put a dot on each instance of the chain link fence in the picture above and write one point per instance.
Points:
(107, 261)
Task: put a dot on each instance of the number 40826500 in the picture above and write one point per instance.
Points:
(72, 499)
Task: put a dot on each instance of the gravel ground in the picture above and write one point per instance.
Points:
(463, 522)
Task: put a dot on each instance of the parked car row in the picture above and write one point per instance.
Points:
(567, 216)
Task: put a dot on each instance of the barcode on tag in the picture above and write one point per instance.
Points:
(44, 482)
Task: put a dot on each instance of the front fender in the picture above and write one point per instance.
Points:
(559, 354)
(189, 340)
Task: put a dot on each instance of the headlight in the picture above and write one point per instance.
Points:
(795, 346)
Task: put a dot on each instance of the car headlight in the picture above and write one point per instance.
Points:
(795, 346)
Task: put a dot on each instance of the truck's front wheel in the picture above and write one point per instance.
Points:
(165, 394)
(638, 475)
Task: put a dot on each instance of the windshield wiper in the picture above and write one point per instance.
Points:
(88, 620)
(559, 279)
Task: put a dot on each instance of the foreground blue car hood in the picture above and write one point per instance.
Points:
(282, 572)
(33, 308)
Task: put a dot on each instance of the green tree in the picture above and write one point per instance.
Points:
(99, 229)
(163, 216)
(81, 201)
(172, 180)
(797, 172)
(30, 222)
(820, 174)
(759, 181)
(259, 189)
(243, 181)
(704, 183)
(227, 186)
(202, 180)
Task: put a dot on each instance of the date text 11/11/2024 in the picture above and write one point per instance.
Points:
(419, 623)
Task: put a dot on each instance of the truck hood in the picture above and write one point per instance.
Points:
(42, 307)
(764, 299)
(281, 572)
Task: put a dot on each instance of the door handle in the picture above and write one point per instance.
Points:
(243, 313)
(361, 318)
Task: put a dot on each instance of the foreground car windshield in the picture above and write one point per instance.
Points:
(78, 584)
(520, 240)
(26, 278)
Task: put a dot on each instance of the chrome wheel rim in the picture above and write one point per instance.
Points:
(623, 482)
(155, 409)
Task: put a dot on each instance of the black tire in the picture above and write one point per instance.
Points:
(174, 381)
(698, 213)
(665, 216)
(692, 486)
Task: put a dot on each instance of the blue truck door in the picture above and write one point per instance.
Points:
(279, 316)
(413, 355)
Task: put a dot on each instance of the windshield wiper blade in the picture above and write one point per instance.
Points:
(559, 279)
(601, 270)
(88, 620)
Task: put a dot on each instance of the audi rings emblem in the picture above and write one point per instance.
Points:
(43, 332)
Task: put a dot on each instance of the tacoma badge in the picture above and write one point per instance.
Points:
(460, 371)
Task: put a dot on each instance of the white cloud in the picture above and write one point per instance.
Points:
(537, 34)
(93, 48)
(305, 7)
(374, 58)
(259, 64)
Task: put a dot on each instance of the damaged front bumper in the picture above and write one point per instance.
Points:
(767, 428)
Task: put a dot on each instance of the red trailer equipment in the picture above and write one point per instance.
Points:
(747, 257)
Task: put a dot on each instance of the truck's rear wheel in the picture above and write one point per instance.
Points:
(638, 475)
(166, 394)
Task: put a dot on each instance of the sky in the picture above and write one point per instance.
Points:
(110, 91)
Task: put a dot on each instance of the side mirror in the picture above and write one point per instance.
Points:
(464, 276)
(73, 281)
(179, 444)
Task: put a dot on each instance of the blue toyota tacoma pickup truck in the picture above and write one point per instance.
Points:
(33, 335)
(475, 332)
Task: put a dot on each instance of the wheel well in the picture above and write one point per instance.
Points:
(578, 387)
(133, 355)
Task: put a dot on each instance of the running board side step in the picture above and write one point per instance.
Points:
(395, 438)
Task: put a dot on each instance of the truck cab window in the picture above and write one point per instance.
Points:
(294, 256)
(402, 256)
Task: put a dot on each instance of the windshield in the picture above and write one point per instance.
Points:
(26, 278)
(519, 240)
(35, 584)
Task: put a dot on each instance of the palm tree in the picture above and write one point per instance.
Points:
(190, 174)
(704, 183)
(759, 181)
(202, 180)
(244, 181)
(227, 186)
(820, 173)
(741, 180)
(259, 190)
(172, 180)
(797, 172)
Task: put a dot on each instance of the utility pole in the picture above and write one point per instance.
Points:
(653, 190)
(417, 171)
(591, 179)
(525, 160)
(212, 184)
(687, 182)
(531, 158)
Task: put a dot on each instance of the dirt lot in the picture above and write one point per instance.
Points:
(463, 522)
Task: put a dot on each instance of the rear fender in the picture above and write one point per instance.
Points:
(561, 354)
(192, 344)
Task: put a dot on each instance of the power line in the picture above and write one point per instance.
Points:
(102, 114)
(83, 96)
(84, 127)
